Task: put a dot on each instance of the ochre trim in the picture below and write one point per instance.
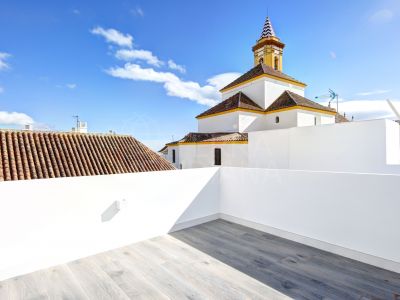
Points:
(265, 75)
(231, 111)
(327, 112)
(265, 42)
(207, 143)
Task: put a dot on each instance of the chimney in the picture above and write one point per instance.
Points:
(28, 127)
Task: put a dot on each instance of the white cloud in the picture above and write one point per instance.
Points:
(174, 66)
(373, 92)
(221, 80)
(138, 11)
(382, 16)
(332, 54)
(71, 85)
(3, 64)
(14, 118)
(367, 109)
(1, 89)
(132, 55)
(174, 86)
(114, 36)
(136, 72)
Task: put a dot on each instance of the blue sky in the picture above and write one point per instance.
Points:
(147, 68)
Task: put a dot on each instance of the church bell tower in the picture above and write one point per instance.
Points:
(269, 48)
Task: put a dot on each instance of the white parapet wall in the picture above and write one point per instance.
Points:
(52, 221)
(366, 146)
(354, 215)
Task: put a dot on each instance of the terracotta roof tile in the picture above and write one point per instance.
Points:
(340, 118)
(288, 99)
(36, 155)
(198, 137)
(258, 70)
(285, 100)
(239, 100)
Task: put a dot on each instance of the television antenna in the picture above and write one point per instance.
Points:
(332, 95)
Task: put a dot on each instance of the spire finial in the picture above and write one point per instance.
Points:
(268, 30)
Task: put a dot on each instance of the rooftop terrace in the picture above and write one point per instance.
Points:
(214, 260)
(182, 235)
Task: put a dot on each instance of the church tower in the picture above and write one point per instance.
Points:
(269, 48)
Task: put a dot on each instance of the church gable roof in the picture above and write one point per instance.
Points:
(239, 100)
(38, 155)
(259, 70)
(289, 99)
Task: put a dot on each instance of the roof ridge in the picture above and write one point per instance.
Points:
(64, 132)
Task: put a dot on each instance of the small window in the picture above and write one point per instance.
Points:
(276, 119)
(276, 63)
(261, 60)
(315, 121)
(173, 156)
(217, 156)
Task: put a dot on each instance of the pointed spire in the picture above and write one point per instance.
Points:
(268, 30)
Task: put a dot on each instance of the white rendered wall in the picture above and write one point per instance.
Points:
(202, 155)
(274, 88)
(367, 146)
(264, 90)
(250, 121)
(255, 90)
(337, 212)
(246, 121)
(221, 123)
(52, 221)
(310, 118)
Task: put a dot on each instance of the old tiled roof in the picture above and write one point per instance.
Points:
(339, 118)
(239, 100)
(37, 155)
(289, 99)
(198, 137)
(258, 70)
(285, 100)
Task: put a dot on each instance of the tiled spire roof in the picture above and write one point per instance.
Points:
(37, 155)
(268, 30)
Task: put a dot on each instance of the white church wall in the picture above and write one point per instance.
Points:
(327, 120)
(253, 89)
(367, 146)
(202, 155)
(228, 122)
(255, 122)
(274, 88)
(251, 121)
(307, 119)
(169, 155)
(287, 119)
(311, 118)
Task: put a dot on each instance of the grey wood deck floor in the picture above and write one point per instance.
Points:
(215, 260)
